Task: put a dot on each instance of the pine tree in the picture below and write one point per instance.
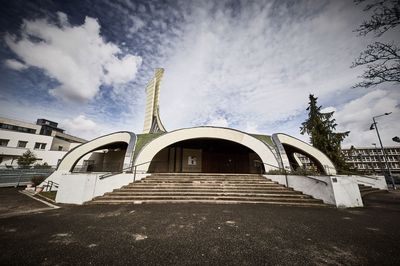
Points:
(321, 129)
(27, 159)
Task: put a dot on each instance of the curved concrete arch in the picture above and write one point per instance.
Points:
(151, 149)
(73, 156)
(325, 162)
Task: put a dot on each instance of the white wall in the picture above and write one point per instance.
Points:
(60, 142)
(373, 181)
(51, 157)
(338, 190)
(347, 193)
(76, 188)
(14, 137)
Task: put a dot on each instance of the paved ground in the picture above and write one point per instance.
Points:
(204, 234)
(13, 203)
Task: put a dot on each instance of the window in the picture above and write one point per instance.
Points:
(22, 144)
(17, 128)
(4, 142)
(40, 146)
(88, 165)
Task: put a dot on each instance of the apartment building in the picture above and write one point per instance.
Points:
(48, 142)
(367, 160)
(370, 160)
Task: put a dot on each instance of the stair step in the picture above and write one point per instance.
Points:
(189, 193)
(142, 184)
(207, 188)
(206, 181)
(215, 197)
(303, 204)
(155, 190)
(365, 190)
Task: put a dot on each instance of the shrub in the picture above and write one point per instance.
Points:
(36, 180)
(42, 166)
(276, 172)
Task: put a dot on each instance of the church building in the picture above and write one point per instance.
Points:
(201, 164)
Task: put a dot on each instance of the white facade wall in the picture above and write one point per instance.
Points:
(20, 123)
(341, 191)
(372, 181)
(49, 157)
(10, 153)
(15, 136)
(79, 188)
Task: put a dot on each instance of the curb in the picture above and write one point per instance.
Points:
(31, 195)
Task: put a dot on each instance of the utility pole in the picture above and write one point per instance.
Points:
(375, 126)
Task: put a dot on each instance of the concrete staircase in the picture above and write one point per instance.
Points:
(206, 188)
(365, 190)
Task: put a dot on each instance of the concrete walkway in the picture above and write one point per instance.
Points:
(203, 234)
(13, 203)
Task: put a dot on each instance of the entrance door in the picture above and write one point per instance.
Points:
(218, 162)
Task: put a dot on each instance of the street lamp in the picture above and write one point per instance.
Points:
(375, 126)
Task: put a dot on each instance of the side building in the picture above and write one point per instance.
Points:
(45, 139)
(370, 160)
(366, 160)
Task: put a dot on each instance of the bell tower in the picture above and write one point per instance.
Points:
(152, 121)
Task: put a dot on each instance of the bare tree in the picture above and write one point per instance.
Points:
(381, 59)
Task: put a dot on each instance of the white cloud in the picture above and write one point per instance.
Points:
(356, 116)
(250, 68)
(218, 122)
(76, 56)
(255, 68)
(14, 64)
(81, 126)
(329, 109)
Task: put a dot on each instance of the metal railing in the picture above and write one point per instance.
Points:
(131, 169)
(19, 176)
(49, 185)
(346, 172)
(98, 167)
(274, 166)
(285, 172)
(123, 170)
(135, 169)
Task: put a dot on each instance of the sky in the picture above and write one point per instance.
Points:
(248, 65)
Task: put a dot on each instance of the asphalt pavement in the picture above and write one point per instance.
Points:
(202, 234)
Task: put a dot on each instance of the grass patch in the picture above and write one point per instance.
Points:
(49, 194)
(264, 138)
(142, 140)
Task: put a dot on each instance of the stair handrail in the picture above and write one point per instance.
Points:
(277, 167)
(126, 169)
(49, 184)
(136, 165)
(354, 173)
(285, 172)
(129, 169)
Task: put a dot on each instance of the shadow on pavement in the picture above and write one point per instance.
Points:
(12, 202)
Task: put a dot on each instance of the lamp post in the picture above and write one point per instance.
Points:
(375, 126)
